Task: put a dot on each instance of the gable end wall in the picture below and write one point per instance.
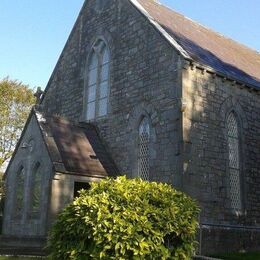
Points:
(24, 225)
(145, 80)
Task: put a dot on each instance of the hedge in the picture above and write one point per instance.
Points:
(126, 219)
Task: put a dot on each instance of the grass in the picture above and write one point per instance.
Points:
(240, 256)
(20, 258)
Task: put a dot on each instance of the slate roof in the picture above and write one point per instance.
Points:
(75, 149)
(204, 45)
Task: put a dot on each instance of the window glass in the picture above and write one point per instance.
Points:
(93, 61)
(20, 177)
(144, 143)
(92, 93)
(103, 89)
(104, 72)
(103, 107)
(36, 188)
(234, 162)
(92, 76)
(98, 84)
(105, 56)
(91, 110)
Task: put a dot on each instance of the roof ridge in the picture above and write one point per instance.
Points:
(208, 28)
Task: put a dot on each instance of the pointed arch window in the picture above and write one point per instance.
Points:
(234, 162)
(98, 81)
(144, 150)
(19, 193)
(36, 188)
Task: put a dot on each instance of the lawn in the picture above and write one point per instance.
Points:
(20, 258)
(240, 256)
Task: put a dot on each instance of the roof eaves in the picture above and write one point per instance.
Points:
(166, 35)
(223, 75)
(86, 174)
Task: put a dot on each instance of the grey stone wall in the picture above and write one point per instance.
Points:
(62, 191)
(27, 224)
(217, 240)
(186, 107)
(209, 100)
(145, 80)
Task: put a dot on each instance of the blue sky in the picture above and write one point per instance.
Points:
(33, 32)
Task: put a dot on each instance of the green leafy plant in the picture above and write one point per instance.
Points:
(126, 219)
(16, 101)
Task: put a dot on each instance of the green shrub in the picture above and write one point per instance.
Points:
(126, 219)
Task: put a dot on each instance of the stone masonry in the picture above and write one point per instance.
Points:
(187, 105)
(145, 79)
(209, 99)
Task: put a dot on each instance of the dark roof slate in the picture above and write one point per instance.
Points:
(206, 46)
(75, 149)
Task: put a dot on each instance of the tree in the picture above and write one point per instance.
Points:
(126, 219)
(16, 100)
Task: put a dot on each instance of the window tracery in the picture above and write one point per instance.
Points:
(98, 81)
(143, 155)
(234, 162)
(36, 188)
(19, 193)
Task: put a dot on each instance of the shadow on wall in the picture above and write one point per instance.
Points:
(2, 199)
(1, 212)
(205, 144)
(205, 149)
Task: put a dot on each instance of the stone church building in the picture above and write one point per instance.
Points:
(143, 91)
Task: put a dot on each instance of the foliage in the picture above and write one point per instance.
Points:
(16, 100)
(126, 219)
(20, 258)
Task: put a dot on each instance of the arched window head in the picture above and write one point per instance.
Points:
(97, 88)
(143, 153)
(36, 188)
(234, 162)
(19, 193)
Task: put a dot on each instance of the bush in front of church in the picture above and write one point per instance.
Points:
(126, 219)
